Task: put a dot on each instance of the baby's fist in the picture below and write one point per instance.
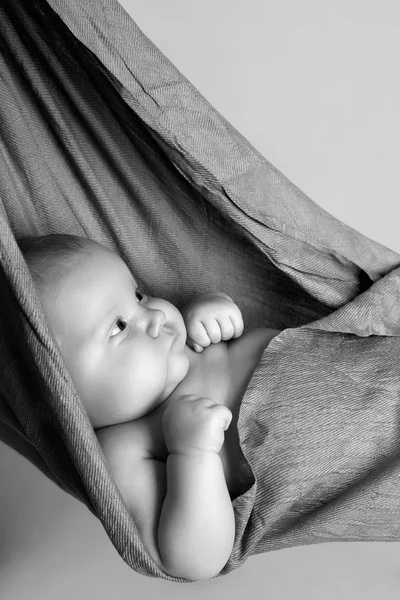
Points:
(210, 318)
(193, 424)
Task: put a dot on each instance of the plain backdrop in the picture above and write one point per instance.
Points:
(313, 86)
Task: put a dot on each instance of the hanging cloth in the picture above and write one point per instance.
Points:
(101, 136)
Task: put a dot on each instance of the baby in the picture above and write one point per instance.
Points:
(162, 389)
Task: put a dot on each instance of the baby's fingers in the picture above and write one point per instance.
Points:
(237, 321)
(194, 346)
(227, 328)
(224, 413)
(197, 334)
(214, 328)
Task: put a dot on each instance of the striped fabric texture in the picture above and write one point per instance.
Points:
(101, 136)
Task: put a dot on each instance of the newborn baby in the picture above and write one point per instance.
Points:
(162, 389)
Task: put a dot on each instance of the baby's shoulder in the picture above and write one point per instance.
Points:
(123, 443)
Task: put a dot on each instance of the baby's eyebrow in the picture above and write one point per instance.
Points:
(110, 311)
(101, 325)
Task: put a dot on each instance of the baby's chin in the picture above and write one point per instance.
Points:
(184, 368)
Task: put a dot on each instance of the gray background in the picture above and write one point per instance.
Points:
(313, 85)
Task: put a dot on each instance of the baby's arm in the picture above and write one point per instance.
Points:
(182, 510)
(197, 525)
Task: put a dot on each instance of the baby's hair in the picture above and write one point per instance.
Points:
(50, 257)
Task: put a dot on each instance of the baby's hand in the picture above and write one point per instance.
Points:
(193, 424)
(210, 318)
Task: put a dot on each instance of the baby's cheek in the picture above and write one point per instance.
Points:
(180, 324)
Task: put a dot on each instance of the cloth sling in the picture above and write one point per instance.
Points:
(101, 136)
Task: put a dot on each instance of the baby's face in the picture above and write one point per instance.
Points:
(126, 351)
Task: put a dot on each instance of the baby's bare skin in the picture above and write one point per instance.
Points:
(184, 510)
(221, 372)
(165, 415)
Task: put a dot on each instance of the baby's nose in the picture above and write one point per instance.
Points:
(157, 321)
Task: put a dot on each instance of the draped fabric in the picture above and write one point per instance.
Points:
(101, 136)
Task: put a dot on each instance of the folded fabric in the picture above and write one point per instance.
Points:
(100, 135)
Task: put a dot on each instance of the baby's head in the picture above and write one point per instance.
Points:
(118, 344)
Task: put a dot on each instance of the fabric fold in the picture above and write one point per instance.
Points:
(101, 136)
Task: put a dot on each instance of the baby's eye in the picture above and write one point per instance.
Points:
(119, 323)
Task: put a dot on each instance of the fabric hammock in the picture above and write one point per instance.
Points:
(102, 136)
